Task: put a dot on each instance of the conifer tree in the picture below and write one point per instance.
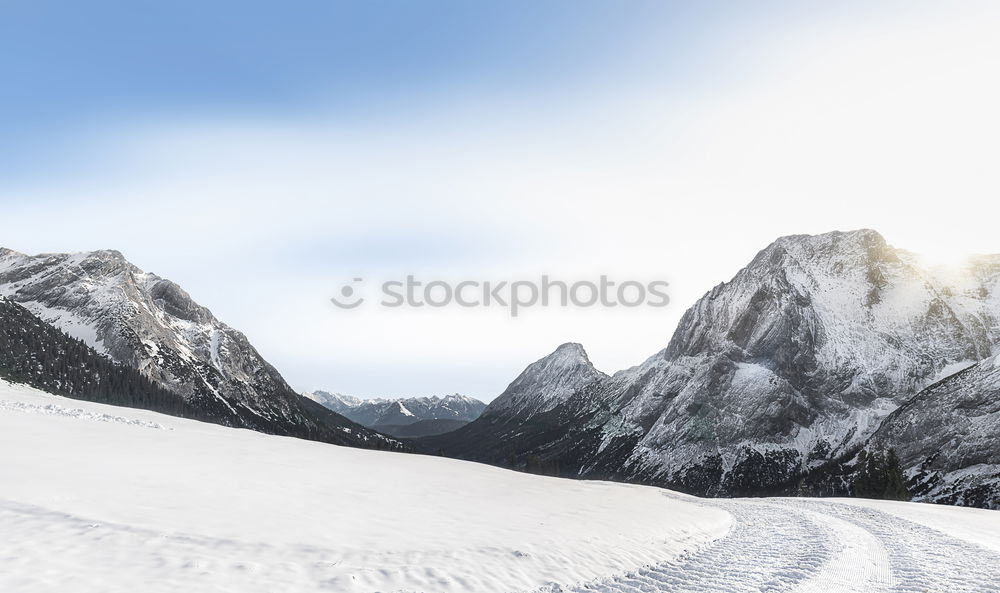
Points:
(880, 476)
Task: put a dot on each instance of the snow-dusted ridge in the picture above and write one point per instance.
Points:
(547, 383)
(801, 356)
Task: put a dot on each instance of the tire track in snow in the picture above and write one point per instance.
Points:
(922, 560)
(861, 562)
(812, 546)
(770, 548)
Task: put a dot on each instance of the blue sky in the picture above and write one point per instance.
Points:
(68, 65)
(260, 154)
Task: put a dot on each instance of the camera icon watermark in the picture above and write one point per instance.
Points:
(515, 296)
(348, 299)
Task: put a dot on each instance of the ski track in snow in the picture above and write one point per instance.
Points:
(814, 547)
(57, 410)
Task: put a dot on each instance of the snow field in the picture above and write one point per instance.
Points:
(110, 505)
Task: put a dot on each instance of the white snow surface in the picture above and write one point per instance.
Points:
(110, 505)
(976, 526)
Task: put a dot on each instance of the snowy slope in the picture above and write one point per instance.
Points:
(104, 499)
(974, 526)
(99, 498)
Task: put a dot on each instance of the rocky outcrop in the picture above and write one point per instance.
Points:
(947, 438)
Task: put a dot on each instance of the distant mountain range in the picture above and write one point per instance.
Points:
(404, 417)
(149, 324)
(821, 347)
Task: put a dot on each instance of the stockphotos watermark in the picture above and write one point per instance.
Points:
(512, 295)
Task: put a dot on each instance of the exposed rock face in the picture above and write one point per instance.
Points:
(546, 384)
(38, 354)
(948, 438)
(793, 363)
(152, 325)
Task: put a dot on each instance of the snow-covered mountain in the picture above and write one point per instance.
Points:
(542, 414)
(793, 363)
(151, 324)
(948, 438)
(546, 384)
(377, 412)
(334, 401)
(796, 361)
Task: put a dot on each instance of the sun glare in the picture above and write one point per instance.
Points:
(944, 257)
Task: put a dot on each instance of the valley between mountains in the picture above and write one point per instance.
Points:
(771, 445)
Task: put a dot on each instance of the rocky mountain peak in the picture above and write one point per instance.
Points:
(843, 241)
(828, 254)
(334, 401)
(98, 255)
(5, 253)
(457, 397)
(547, 382)
(571, 350)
